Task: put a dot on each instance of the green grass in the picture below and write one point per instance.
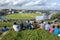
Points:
(8, 24)
(36, 34)
(17, 16)
(22, 16)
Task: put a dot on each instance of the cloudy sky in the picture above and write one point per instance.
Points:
(31, 4)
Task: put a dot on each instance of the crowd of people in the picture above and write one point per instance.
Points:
(31, 25)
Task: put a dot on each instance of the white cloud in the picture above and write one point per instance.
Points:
(53, 4)
(31, 4)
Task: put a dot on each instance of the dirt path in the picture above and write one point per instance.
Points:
(3, 34)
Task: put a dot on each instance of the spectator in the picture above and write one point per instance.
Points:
(29, 25)
(47, 26)
(16, 27)
(56, 30)
(51, 29)
(34, 25)
(22, 25)
(42, 25)
(4, 29)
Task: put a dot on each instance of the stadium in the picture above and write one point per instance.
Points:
(29, 20)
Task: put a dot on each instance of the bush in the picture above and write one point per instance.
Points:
(55, 16)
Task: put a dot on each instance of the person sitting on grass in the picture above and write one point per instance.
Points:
(56, 30)
(4, 29)
(47, 26)
(51, 29)
(16, 27)
(42, 25)
(22, 25)
(34, 25)
(29, 25)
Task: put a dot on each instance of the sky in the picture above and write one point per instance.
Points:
(31, 4)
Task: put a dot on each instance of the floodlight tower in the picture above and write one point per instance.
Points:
(10, 7)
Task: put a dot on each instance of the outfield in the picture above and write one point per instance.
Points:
(22, 16)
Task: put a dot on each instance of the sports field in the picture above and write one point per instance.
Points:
(22, 16)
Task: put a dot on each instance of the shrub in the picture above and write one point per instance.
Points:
(55, 16)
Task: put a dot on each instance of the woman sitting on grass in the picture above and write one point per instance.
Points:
(51, 29)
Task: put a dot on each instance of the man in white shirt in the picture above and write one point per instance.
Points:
(16, 27)
(47, 26)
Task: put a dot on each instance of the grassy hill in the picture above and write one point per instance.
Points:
(36, 34)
